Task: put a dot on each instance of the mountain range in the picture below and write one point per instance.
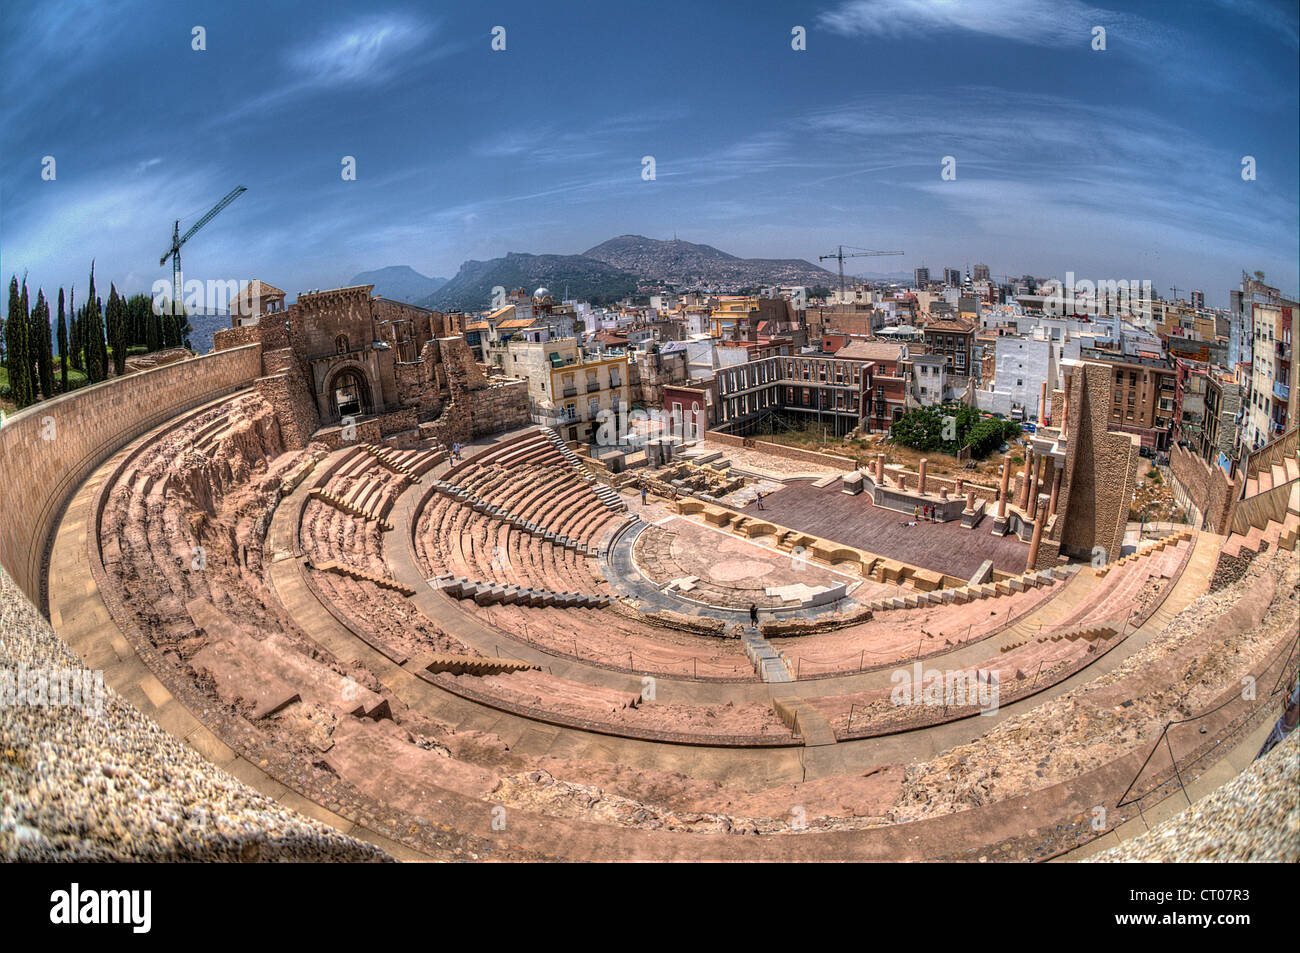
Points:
(400, 283)
(620, 267)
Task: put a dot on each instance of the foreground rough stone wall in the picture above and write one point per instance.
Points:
(104, 783)
(47, 450)
(1254, 818)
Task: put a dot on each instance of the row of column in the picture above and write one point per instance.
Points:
(1036, 465)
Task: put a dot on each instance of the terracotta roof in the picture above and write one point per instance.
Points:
(500, 313)
(515, 323)
(258, 289)
(478, 326)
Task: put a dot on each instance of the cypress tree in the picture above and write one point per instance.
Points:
(26, 355)
(93, 330)
(16, 347)
(63, 347)
(74, 331)
(117, 334)
(42, 351)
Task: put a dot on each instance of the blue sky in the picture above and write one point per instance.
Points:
(1124, 163)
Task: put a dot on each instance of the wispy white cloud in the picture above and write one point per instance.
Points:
(366, 52)
(1038, 22)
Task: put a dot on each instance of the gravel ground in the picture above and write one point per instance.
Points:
(1253, 818)
(76, 785)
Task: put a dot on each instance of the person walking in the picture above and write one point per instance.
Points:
(643, 493)
(753, 614)
(760, 499)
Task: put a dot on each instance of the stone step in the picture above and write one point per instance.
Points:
(491, 593)
(473, 665)
(339, 504)
(384, 582)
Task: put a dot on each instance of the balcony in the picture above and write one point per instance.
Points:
(1282, 350)
(593, 386)
(1281, 391)
(571, 391)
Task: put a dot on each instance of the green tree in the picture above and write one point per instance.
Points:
(76, 333)
(16, 362)
(63, 347)
(117, 332)
(94, 345)
(41, 350)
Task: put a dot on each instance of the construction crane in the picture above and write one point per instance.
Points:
(178, 240)
(841, 254)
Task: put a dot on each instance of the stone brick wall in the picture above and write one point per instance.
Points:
(398, 421)
(227, 338)
(1207, 487)
(1100, 471)
(781, 450)
(488, 411)
(288, 395)
(48, 450)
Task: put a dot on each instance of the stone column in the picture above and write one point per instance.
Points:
(1031, 498)
(970, 501)
(1056, 489)
(920, 486)
(1042, 404)
(1024, 486)
(1041, 518)
(1065, 405)
(880, 468)
(1006, 487)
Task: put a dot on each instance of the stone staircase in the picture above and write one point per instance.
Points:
(339, 504)
(388, 458)
(1276, 534)
(480, 505)
(767, 661)
(1094, 633)
(972, 593)
(494, 593)
(1151, 546)
(1274, 475)
(805, 720)
(607, 494)
(473, 665)
(341, 569)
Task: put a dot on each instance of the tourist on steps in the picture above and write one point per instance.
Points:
(753, 614)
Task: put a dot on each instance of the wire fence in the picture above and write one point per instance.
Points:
(1179, 768)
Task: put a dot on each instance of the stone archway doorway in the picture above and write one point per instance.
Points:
(349, 394)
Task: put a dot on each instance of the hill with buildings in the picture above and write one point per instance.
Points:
(688, 265)
(586, 278)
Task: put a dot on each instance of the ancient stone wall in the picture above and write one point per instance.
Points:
(288, 394)
(48, 450)
(227, 338)
(780, 450)
(488, 411)
(1100, 471)
(1207, 487)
